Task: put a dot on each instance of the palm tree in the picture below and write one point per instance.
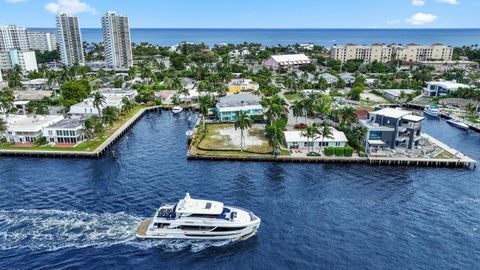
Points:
(110, 115)
(176, 83)
(204, 104)
(310, 133)
(3, 129)
(297, 109)
(348, 115)
(132, 72)
(184, 92)
(98, 101)
(308, 105)
(243, 122)
(324, 131)
(275, 135)
(276, 108)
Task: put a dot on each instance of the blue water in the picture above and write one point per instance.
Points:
(82, 214)
(270, 37)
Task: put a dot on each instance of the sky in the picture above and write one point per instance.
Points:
(251, 13)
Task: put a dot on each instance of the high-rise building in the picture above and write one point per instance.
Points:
(117, 41)
(13, 37)
(13, 57)
(69, 40)
(415, 53)
(42, 41)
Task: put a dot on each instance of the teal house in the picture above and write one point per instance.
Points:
(228, 107)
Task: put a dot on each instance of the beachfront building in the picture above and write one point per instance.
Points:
(13, 37)
(415, 53)
(275, 62)
(69, 40)
(242, 85)
(392, 128)
(26, 129)
(86, 107)
(117, 41)
(130, 94)
(442, 88)
(39, 41)
(295, 140)
(228, 107)
(368, 53)
(13, 57)
(67, 132)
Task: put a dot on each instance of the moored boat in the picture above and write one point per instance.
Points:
(194, 219)
(177, 109)
(458, 124)
(432, 110)
(189, 134)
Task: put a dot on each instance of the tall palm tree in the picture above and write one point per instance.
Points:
(324, 131)
(184, 92)
(310, 133)
(132, 72)
(110, 115)
(275, 135)
(98, 101)
(297, 109)
(3, 128)
(243, 122)
(308, 105)
(348, 115)
(204, 105)
(276, 108)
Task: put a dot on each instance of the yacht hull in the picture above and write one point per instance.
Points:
(458, 125)
(430, 113)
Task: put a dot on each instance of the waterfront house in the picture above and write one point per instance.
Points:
(392, 128)
(242, 85)
(228, 107)
(86, 107)
(26, 129)
(394, 94)
(119, 92)
(442, 88)
(68, 131)
(295, 140)
(275, 62)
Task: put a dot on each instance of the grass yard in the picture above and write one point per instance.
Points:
(294, 97)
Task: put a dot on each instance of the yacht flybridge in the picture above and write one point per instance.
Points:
(199, 220)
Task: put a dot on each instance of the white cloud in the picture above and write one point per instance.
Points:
(68, 6)
(451, 2)
(394, 22)
(418, 2)
(421, 19)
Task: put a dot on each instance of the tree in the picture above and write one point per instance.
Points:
(276, 108)
(98, 101)
(3, 129)
(204, 105)
(348, 115)
(184, 92)
(324, 131)
(110, 115)
(14, 77)
(355, 93)
(93, 126)
(75, 91)
(310, 133)
(275, 135)
(243, 122)
(297, 109)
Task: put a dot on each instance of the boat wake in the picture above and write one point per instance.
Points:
(57, 229)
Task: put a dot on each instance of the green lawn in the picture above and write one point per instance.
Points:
(294, 97)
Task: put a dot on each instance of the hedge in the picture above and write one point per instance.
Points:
(348, 151)
(313, 154)
(339, 151)
(329, 151)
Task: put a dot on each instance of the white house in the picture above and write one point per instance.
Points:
(119, 92)
(242, 85)
(68, 131)
(287, 60)
(394, 94)
(35, 84)
(25, 129)
(295, 140)
(442, 88)
(86, 107)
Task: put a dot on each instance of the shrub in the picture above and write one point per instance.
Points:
(348, 151)
(329, 151)
(313, 154)
(339, 151)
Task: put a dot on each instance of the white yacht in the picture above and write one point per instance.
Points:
(195, 219)
(432, 110)
(177, 109)
(458, 124)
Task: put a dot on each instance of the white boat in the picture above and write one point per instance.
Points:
(458, 124)
(189, 134)
(432, 110)
(195, 219)
(177, 109)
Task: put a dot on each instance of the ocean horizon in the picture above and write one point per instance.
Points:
(275, 36)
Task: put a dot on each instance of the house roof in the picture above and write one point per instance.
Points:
(291, 58)
(391, 112)
(68, 123)
(296, 136)
(238, 100)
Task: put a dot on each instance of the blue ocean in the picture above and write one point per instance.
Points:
(271, 37)
(83, 213)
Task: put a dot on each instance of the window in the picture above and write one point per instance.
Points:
(194, 228)
(228, 229)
